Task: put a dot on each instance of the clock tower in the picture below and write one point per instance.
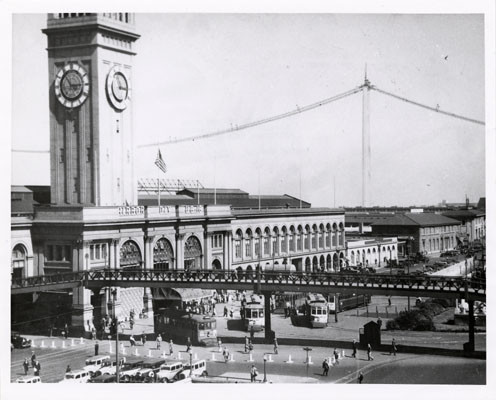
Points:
(90, 59)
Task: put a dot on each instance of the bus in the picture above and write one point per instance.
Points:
(347, 301)
(316, 310)
(178, 325)
(253, 318)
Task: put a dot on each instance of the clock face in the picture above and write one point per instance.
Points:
(118, 88)
(72, 85)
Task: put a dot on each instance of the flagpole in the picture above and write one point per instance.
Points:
(198, 190)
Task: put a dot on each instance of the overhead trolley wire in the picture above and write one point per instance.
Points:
(237, 128)
(435, 109)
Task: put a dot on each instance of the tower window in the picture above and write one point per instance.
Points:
(88, 154)
(117, 126)
(118, 184)
(76, 184)
(61, 156)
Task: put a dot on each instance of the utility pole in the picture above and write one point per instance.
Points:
(365, 141)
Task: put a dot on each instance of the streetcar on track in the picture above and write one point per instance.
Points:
(253, 319)
(178, 325)
(316, 310)
(347, 302)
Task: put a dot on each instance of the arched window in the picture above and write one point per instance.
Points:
(248, 243)
(237, 244)
(315, 236)
(328, 235)
(275, 244)
(341, 234)
(321, 236)
(19, 261)
(284, 240)
(352, 257)
(292, 239)
(163, 255)
(192, 254)
(266, 242)
(334, 235)
(300, 238)
(130, 255)
(258, 238)
(306, 238)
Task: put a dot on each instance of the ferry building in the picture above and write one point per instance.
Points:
(92, 216)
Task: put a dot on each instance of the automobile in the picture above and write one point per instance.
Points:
(109, 367)
(28, 379)
(77, 376)
(94, 363)
(168, 371)
(130, 369)
(440, 263)
(105, 378)
(198, 368)
(149, 370)
(183, 377)
(18, 341)
(370, 270)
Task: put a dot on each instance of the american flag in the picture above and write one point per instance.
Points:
(159, 162)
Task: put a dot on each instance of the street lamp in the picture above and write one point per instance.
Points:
(190, 351)
(307, 349)
(265, 371)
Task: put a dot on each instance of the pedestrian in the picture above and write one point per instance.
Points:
(159, 341)
(250, 346)
(225, 311)
(25, 365)
(33, 359)
(225, 353)
(287, 309)
(393, 347)
(66, 331)
(37, 368)
(231, 312)
(360, 377)
(171, 348)
(336, 356)
(122, 326)
(276, 346)
(132, 340)
(143, 338)
(354, 346)
(252, 333)
(214, 313)
(188, 344)
(325, 366)
(389, 301)
(131, 323)
(369, 352)
(68, 369)
(97, 346)
(93, 333)
(253, 373)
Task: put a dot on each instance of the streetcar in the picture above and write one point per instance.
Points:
(347, 302)
(178, 325)
(316, 310)
(253, 317)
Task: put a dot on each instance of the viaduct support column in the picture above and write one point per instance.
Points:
(269, 337)
(471, 327)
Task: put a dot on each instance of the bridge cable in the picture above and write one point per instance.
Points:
(237, 128)
(435, 109)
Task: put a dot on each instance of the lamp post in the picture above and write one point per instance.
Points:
(265, 370)
(190, 352)
(307, 349)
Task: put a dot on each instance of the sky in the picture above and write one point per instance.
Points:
(199, 73)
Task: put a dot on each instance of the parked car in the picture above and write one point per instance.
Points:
(28, 379)
(130, 369)
(77, 376)
(168, 371)
(19, 342)
(149, 369)
(198, 368)
(105, 378)
(109, 367)
(93, 364)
